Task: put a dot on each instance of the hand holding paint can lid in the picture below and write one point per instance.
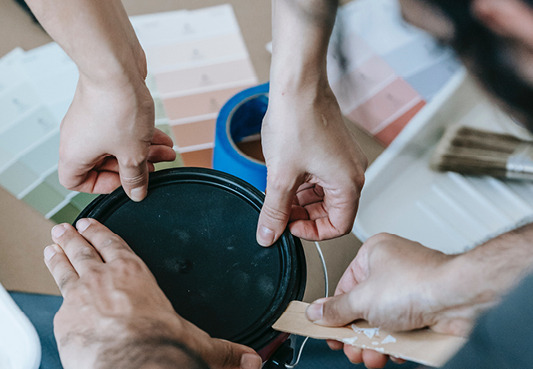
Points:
(196, 233)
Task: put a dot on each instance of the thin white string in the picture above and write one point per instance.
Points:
(326, 290)
(324, 268)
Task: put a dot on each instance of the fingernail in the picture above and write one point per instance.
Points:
(137, 194)
(315, 311)
(251, 361)
(82, 224)
(58, 230)
(265, 236)
(49, 252)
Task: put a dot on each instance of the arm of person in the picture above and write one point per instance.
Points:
(315, 166)
(502, 337)
(114, 315)
(107, 136)
(401, 285)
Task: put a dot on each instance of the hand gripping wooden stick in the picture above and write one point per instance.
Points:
(422, 346)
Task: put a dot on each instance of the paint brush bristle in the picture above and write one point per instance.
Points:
(472, 151)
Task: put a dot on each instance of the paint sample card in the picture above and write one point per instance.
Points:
(27, 131)
(383, 70)
(198, 60)
(36, 88)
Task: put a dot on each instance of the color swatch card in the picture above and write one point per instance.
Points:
(36, 88)
(29, 132)
(199, 60)
(382, 70)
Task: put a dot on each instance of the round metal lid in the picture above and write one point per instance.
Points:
(196, 232)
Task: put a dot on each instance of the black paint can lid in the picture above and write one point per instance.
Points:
(196, 232)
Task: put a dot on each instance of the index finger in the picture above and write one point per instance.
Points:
(357, 272)
(59, 266)
(108, 244)
(333, 217)
(87, 179)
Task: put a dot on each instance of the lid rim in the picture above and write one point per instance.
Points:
(291, 286)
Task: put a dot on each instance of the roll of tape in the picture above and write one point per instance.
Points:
(239, 118)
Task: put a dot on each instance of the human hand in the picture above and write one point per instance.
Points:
(114, 315)
(108, 138)
(400, 285)
(315, 167)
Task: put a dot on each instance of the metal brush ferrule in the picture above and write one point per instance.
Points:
(521, 160)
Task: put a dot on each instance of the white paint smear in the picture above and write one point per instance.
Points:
(375, 343)
(389, 339)
(369, 332)
(350, 340)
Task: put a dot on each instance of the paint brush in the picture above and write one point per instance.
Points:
(473, 151)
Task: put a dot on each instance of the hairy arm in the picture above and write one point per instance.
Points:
(401, 285)
(315, 167)
(486, 272)
(149, 353)
(114, 315)
(107, 136)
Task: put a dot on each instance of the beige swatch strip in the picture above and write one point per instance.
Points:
(422, 346)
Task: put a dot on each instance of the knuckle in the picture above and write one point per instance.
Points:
(229, 359)
(93, 283)
(64, 281)
(279, 182)
(147, 107)
(232, 352)
(127, 264)
(133, 161)
(344, 228)
(52, 263)
(133, 181)
(379, 239)
(93, 273)
(85, 253)
(114, 239)
(331, 313)
(111, 241)
(274, 213)
(65, 180)
(358, 179)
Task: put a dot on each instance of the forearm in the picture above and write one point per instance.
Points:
(301, 32)
(149, 353)
(490, 270)
(97, 35)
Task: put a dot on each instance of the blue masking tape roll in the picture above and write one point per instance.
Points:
(239, 118)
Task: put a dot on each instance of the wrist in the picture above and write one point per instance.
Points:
(122, 66)
(112, 76)
(130, 87)
(297, 76)
(468, 283)
(484, 274)
(300, 86)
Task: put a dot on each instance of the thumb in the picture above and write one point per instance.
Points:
(227, 355)
(336, 311)
(134, 178)
(276, 210)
